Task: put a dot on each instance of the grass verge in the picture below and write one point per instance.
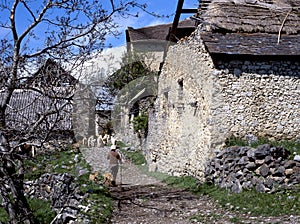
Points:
(256, 203)
(291, 146)
(284, 202)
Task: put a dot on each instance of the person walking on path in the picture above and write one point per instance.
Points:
(114, 161)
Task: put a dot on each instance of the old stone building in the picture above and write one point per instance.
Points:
(236, 75)
(51, 104)
(40, 106)
(151, 42)
(145, 46)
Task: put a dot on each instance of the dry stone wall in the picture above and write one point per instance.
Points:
(261, 98)
(202, 102)
(266, 168)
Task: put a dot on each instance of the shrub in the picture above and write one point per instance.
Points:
(136, 157)
(140, 123)
(291, 145)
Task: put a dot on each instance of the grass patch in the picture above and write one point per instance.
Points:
(184, 182)
(235, 220)
(42, 210)
(291, 145)
(101, 208)
(136, 157)
(97, 200)
(206, 218)
(56, 162)
(256, 203)
(284, 202)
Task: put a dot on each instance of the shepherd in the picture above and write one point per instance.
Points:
(114, 161)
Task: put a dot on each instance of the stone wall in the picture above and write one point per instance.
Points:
(179, 129)
(201, 102)
(266, 168)
(261, 98)
(84, 112)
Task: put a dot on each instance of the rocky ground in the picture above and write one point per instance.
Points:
(139, 198)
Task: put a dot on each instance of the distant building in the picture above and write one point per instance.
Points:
(104, 107)
(41, 103)
(152, 42)
(147, 45)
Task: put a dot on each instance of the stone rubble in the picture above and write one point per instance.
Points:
(265, 168)
(65, 196)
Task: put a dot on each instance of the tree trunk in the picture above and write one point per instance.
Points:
(12, 188)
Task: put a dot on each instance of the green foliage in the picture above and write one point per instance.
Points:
(4, 218)
(126, 74)
(136, 157)
(120, 144)
(256, 203)
(290, 145)
(42, 210)
(233, 141)
(140, 122)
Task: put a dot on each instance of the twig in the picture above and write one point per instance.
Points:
(281, 27)
(57, 215)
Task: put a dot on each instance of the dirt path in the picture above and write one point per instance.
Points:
(128, 175)
(141, 199)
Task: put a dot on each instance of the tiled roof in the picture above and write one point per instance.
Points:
(47, 93)
(27, 106)
(158, 32)
(252, 44)
(51, 74)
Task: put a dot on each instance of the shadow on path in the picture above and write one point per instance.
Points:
(142, 199)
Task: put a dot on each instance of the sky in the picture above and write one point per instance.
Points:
(161, 7)
(165, 8)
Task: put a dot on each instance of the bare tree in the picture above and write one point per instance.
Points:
(64, 34)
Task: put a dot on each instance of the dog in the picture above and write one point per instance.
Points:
(28, 150)
(108, 179)
(94, 176)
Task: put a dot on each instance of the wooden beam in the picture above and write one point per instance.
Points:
(187, 11)
(179, 11)
(176, 20)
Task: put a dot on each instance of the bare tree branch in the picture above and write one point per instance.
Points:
(36, 86)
